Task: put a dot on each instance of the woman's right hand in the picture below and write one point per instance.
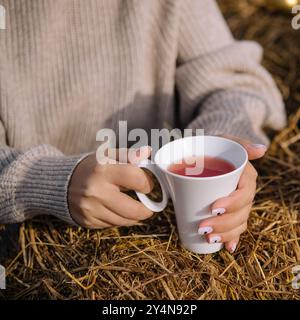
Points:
(95, 194)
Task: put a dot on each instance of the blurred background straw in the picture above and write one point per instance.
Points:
(49, 260)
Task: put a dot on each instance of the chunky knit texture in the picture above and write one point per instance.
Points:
(71, 67)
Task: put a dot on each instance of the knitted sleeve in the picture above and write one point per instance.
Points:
(35, 182)
(222, 79)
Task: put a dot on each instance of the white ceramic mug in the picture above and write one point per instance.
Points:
(193, 196)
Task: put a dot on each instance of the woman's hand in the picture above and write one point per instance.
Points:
(95, 198)
(231, 213)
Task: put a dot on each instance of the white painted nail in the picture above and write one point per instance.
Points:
(218, 211)
(258, 146)
(205, 230)
(145, 148)
(233, 247)
(215, 239)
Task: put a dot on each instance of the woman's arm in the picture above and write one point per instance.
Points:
(232, 94)
(222, 79)
(34, 182)
(76, 189)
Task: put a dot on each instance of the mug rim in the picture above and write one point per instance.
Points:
(242, 166)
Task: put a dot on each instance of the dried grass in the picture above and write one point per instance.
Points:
(147, 262)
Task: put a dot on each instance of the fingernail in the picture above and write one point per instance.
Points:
(142, 149)
(215, 239)
(218, 211)
(232, 247)
(205, 230)
(145, 148)
(258, 146)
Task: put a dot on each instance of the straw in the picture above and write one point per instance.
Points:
(55, 261)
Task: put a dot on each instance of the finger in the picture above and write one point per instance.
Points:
(92, 223)
(125, 206)
(130, 177)
(135, 156)
(93, 208)
(110, 217)
(124, 155)
(226, 236)
(225, 222)
(89, 222)
(254, 150)
(231, 245)
(241, 197)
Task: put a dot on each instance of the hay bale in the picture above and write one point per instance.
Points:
(55, 261)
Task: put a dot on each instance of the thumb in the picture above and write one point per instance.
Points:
(137, 155)
(254, 150)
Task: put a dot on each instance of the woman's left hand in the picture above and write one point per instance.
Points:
(230, 214)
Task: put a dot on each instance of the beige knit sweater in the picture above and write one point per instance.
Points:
(71, 67)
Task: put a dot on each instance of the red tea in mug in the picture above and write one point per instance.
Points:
(207, 167)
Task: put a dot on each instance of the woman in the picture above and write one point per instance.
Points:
(72, 67)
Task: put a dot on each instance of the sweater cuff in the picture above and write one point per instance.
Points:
(41, 186)
(238, 114)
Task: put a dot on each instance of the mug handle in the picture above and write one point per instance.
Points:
(150, 204)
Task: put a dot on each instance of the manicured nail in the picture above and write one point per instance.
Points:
(142, 150)
(205, 230)
(145, 148)
(215, 239)
(232, 248)
(218, 211)
(258, 146)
